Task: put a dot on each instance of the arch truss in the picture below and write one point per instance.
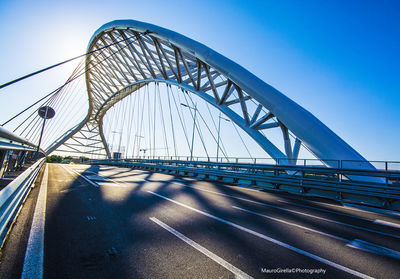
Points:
(141, 53)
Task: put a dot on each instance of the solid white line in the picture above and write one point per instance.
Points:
(373, 210)
(387, 223)
(367, 246)
(120, 184)
(33, 262)
(298, 212)
(84, 177)
(262, 236)
(292, 224)
(370, 247)
(359, 208)
(226, 195)
(107, 179)
(238, 273)
(326, 210)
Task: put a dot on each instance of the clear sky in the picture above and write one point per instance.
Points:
(338, 59)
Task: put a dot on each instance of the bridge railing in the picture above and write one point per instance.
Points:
(13, 195)
(312, 180)
(379, 165)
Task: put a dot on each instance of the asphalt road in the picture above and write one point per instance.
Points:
(108, 222)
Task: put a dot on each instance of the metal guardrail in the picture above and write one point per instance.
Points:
(379, 165)
(12, 196)
(317, 181)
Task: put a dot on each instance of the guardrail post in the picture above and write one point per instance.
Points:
(386, 169)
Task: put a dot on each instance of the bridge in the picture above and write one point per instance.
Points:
(166, 159)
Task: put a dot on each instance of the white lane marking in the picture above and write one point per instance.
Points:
(370, 247)
(226, 195)
(85, 171)
(127, 183)
(120, 184)
(326, 210)
(107, 179)
(94, 177)
(247, 187)
(354, 207)
(262, 236)
(99, 177)
(84, 177)
(292, 224)
(236, 271)
(33, 262)
(359, 208)
(298, 212)
(369, 209)
(387, 223)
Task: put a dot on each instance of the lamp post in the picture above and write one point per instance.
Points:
(44, 112)
(219, 130)
(194, 126)
(139, 137)
(119, 144)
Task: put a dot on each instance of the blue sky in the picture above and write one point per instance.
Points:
(338, 59)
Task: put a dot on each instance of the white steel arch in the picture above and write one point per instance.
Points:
(141, 53)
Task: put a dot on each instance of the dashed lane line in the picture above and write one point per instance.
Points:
(262, 236)
(387, 223)
(84, 177)
(298, 212)
(236, 271)
(356, 243)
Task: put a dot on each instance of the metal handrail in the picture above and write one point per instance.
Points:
(13, 195)
(380, 165)
(264, 167)
(385, 189)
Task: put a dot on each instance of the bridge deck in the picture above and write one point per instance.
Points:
(138, 224)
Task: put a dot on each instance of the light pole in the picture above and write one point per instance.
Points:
(219, 130)
(120, 139)
(194, 126)
(139, 137)
(45, 112)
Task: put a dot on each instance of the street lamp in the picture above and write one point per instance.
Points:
(45, 112)
(139, 138)
(120, 139)
(194, 126)
(219, 129)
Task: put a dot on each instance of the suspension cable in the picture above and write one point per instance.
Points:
(62, 86)
(162, 120)
(154, 120)
(222, 146)
(149, 117)
(141, 125)
(180, 118)
(234, 126)
(197, 126)
(61, 63)
(208, 128)
(172, 122)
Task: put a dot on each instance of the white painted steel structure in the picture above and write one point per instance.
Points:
(148, 53)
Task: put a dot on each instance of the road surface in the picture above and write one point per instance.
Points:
(109, 222)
